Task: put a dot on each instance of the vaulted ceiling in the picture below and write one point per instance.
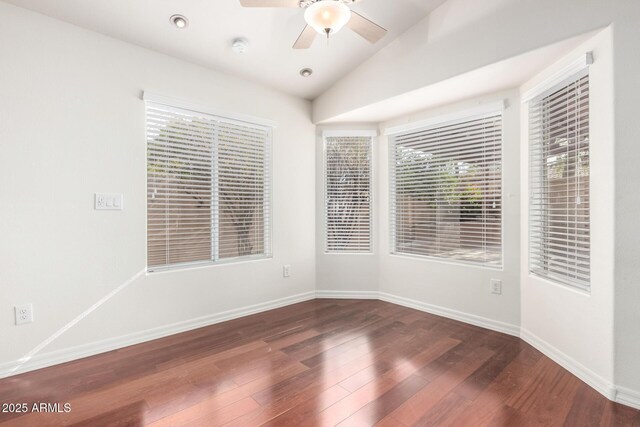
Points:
(213, 24)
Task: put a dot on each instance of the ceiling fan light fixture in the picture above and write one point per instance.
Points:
(327, 16)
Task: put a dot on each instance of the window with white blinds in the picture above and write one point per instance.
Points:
(559, 222)
(446, 190)
(347, 167)
(209, 188)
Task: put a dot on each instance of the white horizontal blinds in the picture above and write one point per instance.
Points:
(348, 193)
(243, 189)
(179, 148)
(208, 182)
(446, 190)
(559, 222)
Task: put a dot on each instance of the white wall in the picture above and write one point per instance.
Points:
(72, 123)
(344, 274)
(571, 321)
(459, 289)
(627, 199)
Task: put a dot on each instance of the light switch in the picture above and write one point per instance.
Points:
(108, 202)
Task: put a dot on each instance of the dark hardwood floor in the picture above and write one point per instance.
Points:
(322, 362)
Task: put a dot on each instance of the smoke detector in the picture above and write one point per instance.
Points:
(306, 72)
(240, 45)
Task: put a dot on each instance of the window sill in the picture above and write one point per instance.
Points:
(447, 261)
(575, 288)
(206, 264)
(348, 253)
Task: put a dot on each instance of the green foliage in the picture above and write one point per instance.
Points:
(439, 182)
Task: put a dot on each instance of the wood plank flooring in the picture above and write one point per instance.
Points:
(318, 363)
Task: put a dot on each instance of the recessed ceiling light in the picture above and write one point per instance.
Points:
(306, 72)
(240, 45)
(179, 21)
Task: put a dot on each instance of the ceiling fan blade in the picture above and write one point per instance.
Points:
(306, 38)
(369, 30)
(270, 3)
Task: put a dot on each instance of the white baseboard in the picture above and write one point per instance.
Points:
(483, 322)
(44, 360)
(347, 294)
(600, 384)
(621, 395)
(51, 358)
(628, 397)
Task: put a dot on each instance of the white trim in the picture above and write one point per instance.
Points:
(344, 132)
(621, 395)
(628, 397)
(483, 322)
(578, 65)
(600, 384)
(199, 108)
(482, 110)
(44, 360)
(347, 294)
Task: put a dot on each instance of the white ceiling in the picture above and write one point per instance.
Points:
(214, 23)
(507, 74)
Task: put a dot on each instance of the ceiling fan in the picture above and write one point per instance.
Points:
(325, 17)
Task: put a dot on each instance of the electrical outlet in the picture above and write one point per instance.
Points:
(286, 271)
(24, 314)
(496, 286)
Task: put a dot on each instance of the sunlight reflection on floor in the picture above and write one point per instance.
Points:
(27, 357)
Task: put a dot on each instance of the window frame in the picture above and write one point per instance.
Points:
(268, 126)
(372, 135)
(571, 74)
(460, 116)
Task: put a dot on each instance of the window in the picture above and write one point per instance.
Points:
(559, 223)
(446, 190)
(209, 188)
(347, 166)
